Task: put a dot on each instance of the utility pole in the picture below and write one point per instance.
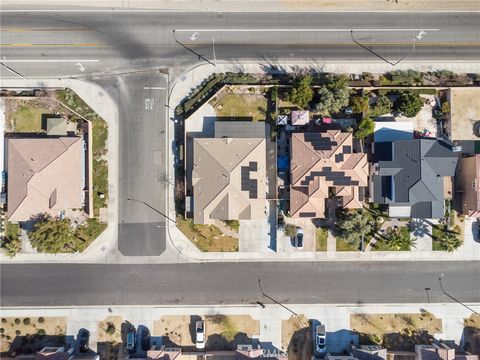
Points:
(214, 57)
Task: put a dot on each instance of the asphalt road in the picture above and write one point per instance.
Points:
(104, 42)
(236, 283)
(142, 176)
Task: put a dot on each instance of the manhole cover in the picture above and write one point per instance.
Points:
(476, 128)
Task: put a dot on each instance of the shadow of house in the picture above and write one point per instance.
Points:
(471, 339)
(218, 342)
(300, 346)
(407, 341)
(30, 344)
(341, 341)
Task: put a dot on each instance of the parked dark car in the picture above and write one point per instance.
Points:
(131, 334)
(83, 337)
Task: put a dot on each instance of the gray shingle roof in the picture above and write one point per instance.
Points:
(415, 174)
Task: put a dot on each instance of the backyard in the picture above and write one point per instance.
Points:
(206, 237)
(24, 115)
(396, 331)
(240, 106)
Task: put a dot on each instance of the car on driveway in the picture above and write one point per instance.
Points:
(298, 240)
(319, 339)
(200, 334)
(83, 337)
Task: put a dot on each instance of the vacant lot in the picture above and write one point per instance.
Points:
(206, 237)
(296, 338)
(240, 107)
(30, 328)
(222, 332)
(396, 331)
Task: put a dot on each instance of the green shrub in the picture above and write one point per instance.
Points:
(41, 320)
(365, 128)
(110, 329)
(2, 330)
(26, 321)
(17, 321)
(409, 103)
(4, 320)
(41, 332)
(17, 332)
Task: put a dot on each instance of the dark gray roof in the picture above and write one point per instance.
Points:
(414, 175)
(241, 129)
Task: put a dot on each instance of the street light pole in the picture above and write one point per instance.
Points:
(454, 299)
(192, 51)
(214, 56)
(275, 301)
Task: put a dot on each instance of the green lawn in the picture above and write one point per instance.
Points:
(343, 245)
(28, 119)
(233, 224)
(381, 245)
(240, 106)
(321, 237)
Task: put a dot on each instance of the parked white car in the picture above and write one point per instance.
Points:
(200, 334)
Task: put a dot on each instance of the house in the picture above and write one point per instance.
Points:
(300, 117)
(229, 173)
(323, 163)
(441, 351)
(370, 352)
(468, 185)
(409, 176)
(45, 176)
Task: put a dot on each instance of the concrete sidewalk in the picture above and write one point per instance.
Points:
(336, 317)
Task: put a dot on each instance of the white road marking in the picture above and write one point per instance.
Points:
(80, 67)
(149, 102)
(48, 60)
(421, 34)
(305, 30)
(194, 36)
(153, 88)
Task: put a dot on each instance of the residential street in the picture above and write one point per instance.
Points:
(237, 283)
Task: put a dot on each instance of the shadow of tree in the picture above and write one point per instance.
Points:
(30, 344)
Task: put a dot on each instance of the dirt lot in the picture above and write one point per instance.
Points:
(222, 332)
(109, 330)
(27, 332)
(464, 112)
(396, 331)
(296, 338)
(471, 334)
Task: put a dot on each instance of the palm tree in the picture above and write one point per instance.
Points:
(399, 240)
(450, 242)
